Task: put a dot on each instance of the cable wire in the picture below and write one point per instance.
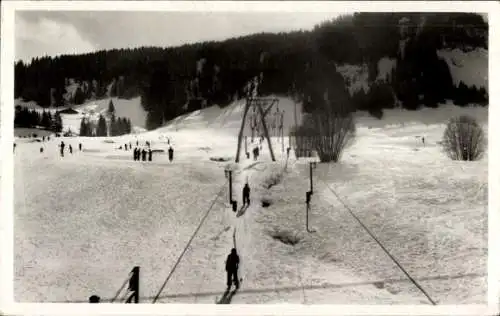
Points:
(189, 242)
(121, 288)
(381, 245)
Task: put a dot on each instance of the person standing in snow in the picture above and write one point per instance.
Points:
(232, 264)
(135, 154)
(170, 154)
(70, 149)
(126, 147)
(150, 152)
(14, 147)
(80, 146)
(143, 154)
(62, 149)
(246, 195)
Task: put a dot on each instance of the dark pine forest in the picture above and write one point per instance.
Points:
(300, 64)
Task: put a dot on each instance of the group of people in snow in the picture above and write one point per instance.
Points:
(146, 154)
(62, 146)
(138, 153)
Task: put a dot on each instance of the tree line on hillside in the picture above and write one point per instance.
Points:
(174, 80)
(115, 126)
(24, 117)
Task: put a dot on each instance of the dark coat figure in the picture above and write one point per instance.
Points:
(150, 153)
(80, 146)
(137, 143)
(288, 152)
(246, 195)
(41, 149)
(62, 148)
(144, 154)
(14, 147)
(130, 145)
(135, 154)
(48, 138)
(70, 149)
(423, 140)
(43, 138)
(148, 144)
(255, 153)
(232, 264)
(248, 155)
(170, 154)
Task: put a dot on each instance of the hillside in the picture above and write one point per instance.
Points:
(83, 225)
(371, 61)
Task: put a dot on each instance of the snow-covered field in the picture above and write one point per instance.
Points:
(83, 221)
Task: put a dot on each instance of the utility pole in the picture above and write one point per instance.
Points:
(229, 174)
(311, 164)
(246, 146)
(308, 206)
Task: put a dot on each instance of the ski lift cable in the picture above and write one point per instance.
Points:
(212, 253)
(380, 244)
(299, 271)
(121, 287)
(189, 242)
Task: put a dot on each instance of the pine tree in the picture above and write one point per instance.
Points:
(84, 127)
(79, 96)
(50, 119)
(101, 127)
(120, 126)
(57, 125)
(129, 126)
(111, 107)
(114, 129)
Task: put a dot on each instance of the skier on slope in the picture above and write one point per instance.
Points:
(232, 263)
(62, 148)
(170, 154)
(246, 195)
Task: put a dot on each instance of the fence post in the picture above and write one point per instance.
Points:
(230, 186)
(311, 177)
(134, 285)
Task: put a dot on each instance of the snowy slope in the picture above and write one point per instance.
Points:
(469, 67)
(123, 108)
(131, 109)
(88, 218)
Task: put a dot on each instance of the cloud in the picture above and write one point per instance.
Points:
(46, 37)
(115, 29)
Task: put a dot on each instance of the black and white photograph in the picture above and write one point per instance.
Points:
(250, 157)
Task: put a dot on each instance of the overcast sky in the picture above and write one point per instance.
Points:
(40, 33)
